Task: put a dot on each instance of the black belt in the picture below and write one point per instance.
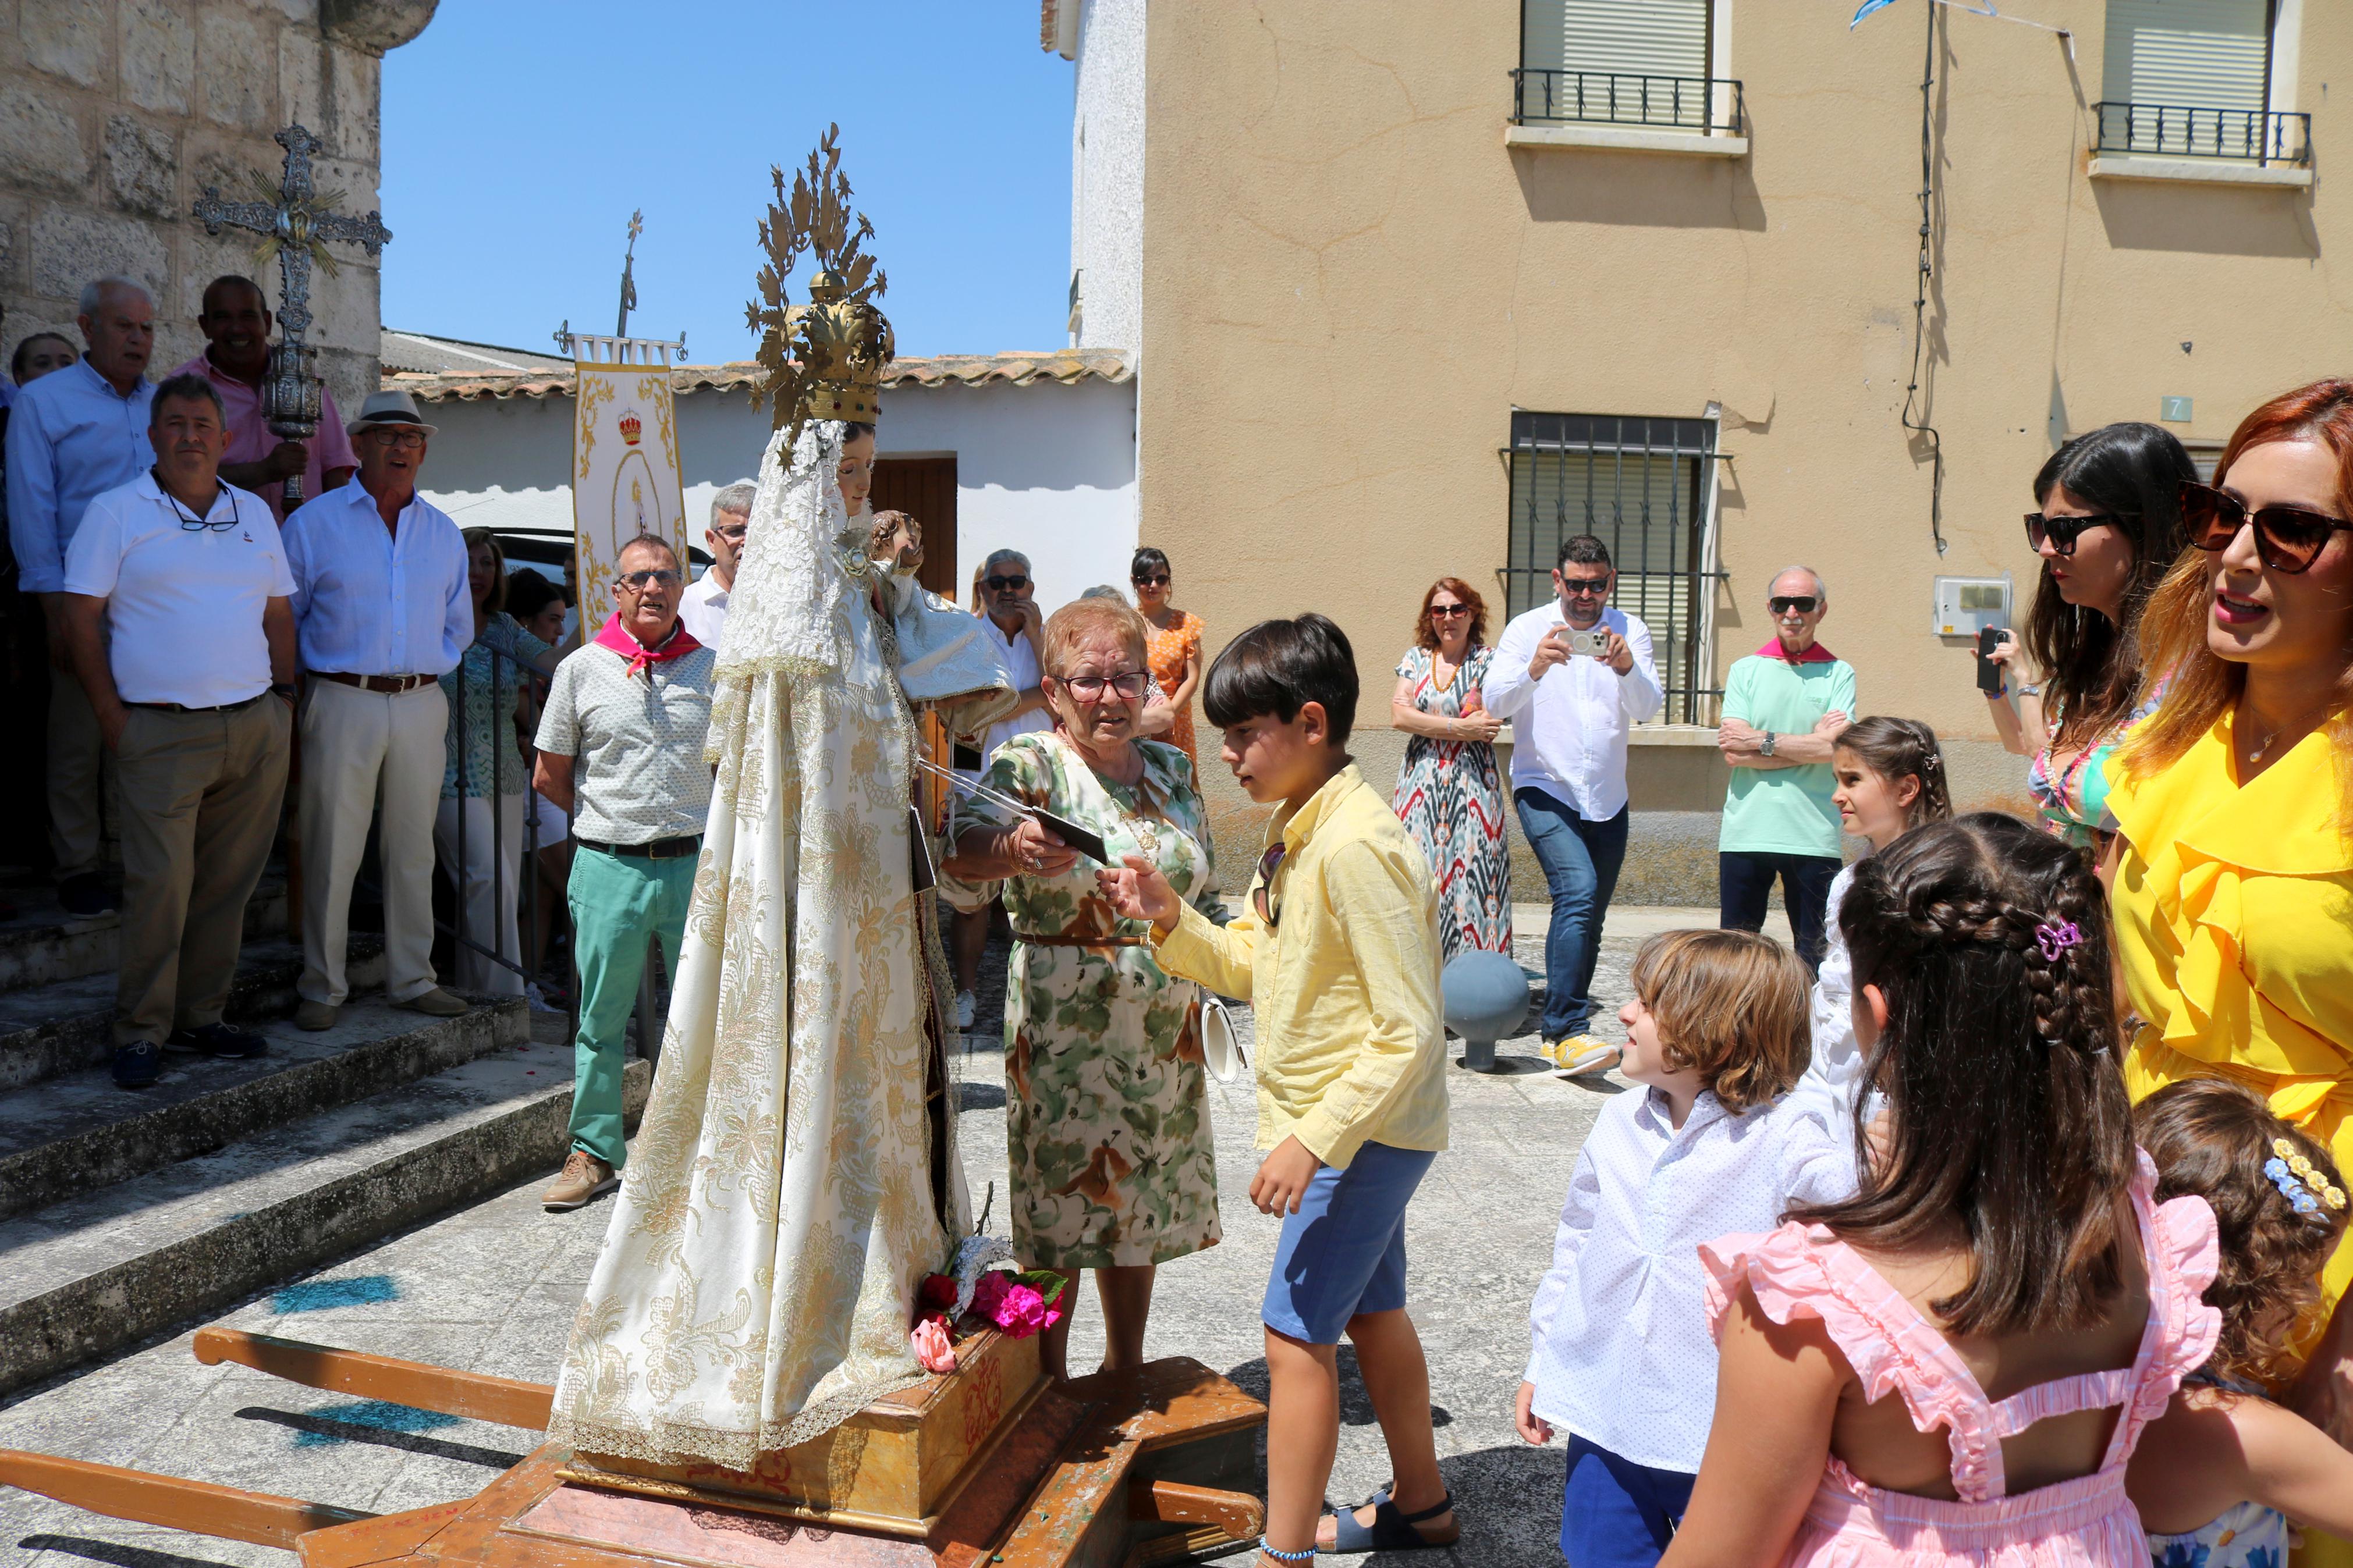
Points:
(183, 708)
(659, 849)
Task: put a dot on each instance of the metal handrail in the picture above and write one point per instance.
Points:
(2188, 130)
(1541, 95)
(527, 894)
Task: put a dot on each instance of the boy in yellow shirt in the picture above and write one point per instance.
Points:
(1339, 954)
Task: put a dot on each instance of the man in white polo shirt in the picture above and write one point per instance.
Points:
(177, 611)
(702, 607)
(381, 600)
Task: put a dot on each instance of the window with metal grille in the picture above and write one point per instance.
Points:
(2192, 79)
(1621, 62)
(1645, 488)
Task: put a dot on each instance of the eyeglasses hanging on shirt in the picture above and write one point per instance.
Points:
(189, 521)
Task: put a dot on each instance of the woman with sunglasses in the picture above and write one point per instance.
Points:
(2108, 527)
(1107, 1130)
(1175, 641)
(1449, 795)
(2231, 873)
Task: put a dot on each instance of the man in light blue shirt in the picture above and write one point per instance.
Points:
(74, 435)
(382, 611)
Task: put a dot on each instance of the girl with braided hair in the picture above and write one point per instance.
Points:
(1890, 779)
(1950, 1369)
(2220, 1475)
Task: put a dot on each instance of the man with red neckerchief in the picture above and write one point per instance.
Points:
(620, 749)
(1784, 706)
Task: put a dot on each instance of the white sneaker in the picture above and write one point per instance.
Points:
(964, 1010)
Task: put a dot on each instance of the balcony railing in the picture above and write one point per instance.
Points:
(1706, 105)
(2181, 131)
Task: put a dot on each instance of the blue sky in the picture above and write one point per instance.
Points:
(509, 179)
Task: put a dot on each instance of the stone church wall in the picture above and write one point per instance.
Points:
(116, 114)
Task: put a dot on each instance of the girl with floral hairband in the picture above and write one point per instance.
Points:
(2223, 1474)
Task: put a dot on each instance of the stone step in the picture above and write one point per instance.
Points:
(41, 944)
(67, 1025)
(80, 1131)
(100, 1272)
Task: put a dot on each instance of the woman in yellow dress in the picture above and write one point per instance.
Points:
(2231, 875)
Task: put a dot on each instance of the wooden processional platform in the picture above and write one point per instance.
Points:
(992, 1463)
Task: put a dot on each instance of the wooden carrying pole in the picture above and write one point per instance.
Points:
(507, 1401)
(167, 1501)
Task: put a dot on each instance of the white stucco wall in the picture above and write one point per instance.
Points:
(1107, 173)
(1046, 468)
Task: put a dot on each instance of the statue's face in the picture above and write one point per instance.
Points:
(855, 472)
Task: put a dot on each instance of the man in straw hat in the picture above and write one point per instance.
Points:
(382, 611)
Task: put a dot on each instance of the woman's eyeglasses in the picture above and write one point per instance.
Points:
(1450, 611)
(1782, 604)
(2062, 532)
(1159, 582)
(2287, 537)
(1093, 687)
(1012, 584)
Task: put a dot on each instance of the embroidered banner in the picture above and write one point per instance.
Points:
(625, 465)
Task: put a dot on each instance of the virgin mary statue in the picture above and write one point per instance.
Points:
(796, 1175)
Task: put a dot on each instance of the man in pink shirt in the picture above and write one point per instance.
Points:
(235, 321)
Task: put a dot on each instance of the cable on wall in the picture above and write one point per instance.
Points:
(1920, 294)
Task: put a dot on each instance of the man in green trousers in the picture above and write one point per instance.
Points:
(620, 749)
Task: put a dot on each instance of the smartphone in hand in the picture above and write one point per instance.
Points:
(1989, 679)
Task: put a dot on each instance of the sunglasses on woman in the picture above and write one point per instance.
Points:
(2287, 537)
(1159, 582)
(1449, 610)
(2062, 532)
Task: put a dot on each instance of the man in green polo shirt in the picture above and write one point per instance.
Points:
(1784, 706)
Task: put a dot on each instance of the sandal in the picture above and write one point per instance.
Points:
(1390, 1530)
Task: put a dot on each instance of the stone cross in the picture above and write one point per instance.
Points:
(296, 223)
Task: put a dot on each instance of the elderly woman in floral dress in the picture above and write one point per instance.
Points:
(1107, 1126)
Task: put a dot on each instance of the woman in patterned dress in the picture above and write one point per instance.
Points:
(485, 764)
(1107, 1119)
(1449, 793)
(1172, 642)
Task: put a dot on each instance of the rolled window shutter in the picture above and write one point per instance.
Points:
(1633, 38)
(2204, 54)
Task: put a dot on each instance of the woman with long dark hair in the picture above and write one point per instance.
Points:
(2108, 524)
(1173, 640)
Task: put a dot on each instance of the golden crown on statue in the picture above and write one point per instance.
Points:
(824, 360)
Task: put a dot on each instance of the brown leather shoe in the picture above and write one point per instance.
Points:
(435, 1003)
(585, 1179)
(315, 1015)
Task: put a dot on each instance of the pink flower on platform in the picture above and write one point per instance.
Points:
(1025, 1312)
(934, 1352)
(988, 1293)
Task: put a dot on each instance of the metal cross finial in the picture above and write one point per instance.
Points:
(629, 273)
(295, 220)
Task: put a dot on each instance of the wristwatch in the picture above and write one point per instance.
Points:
(1766, 749)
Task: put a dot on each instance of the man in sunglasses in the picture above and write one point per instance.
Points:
(620, 750)
(382, 604)
(1573, 676)
(176, 609)
(1784, 706)
(703, 606)
(1013, 627)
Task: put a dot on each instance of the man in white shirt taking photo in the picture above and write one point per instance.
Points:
(1572, 677)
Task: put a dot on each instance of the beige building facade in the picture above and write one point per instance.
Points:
(1419, 287)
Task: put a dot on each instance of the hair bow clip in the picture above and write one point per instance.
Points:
(2055, 937)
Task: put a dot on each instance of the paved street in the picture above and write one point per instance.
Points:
(492, 1289)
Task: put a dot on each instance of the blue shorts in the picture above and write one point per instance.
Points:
(1344, 1252)
(1616, 1513)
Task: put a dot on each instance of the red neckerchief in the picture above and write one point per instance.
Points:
(678, 645)
(1817, 654)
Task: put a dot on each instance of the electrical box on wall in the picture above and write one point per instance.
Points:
(1967, 605)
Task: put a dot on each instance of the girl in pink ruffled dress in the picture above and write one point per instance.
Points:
(1952, 1367)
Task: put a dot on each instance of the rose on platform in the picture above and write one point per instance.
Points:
(1019, 1305)
(936, 1294)
(935, 1351)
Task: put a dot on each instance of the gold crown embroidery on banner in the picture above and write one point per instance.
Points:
(824, 360)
